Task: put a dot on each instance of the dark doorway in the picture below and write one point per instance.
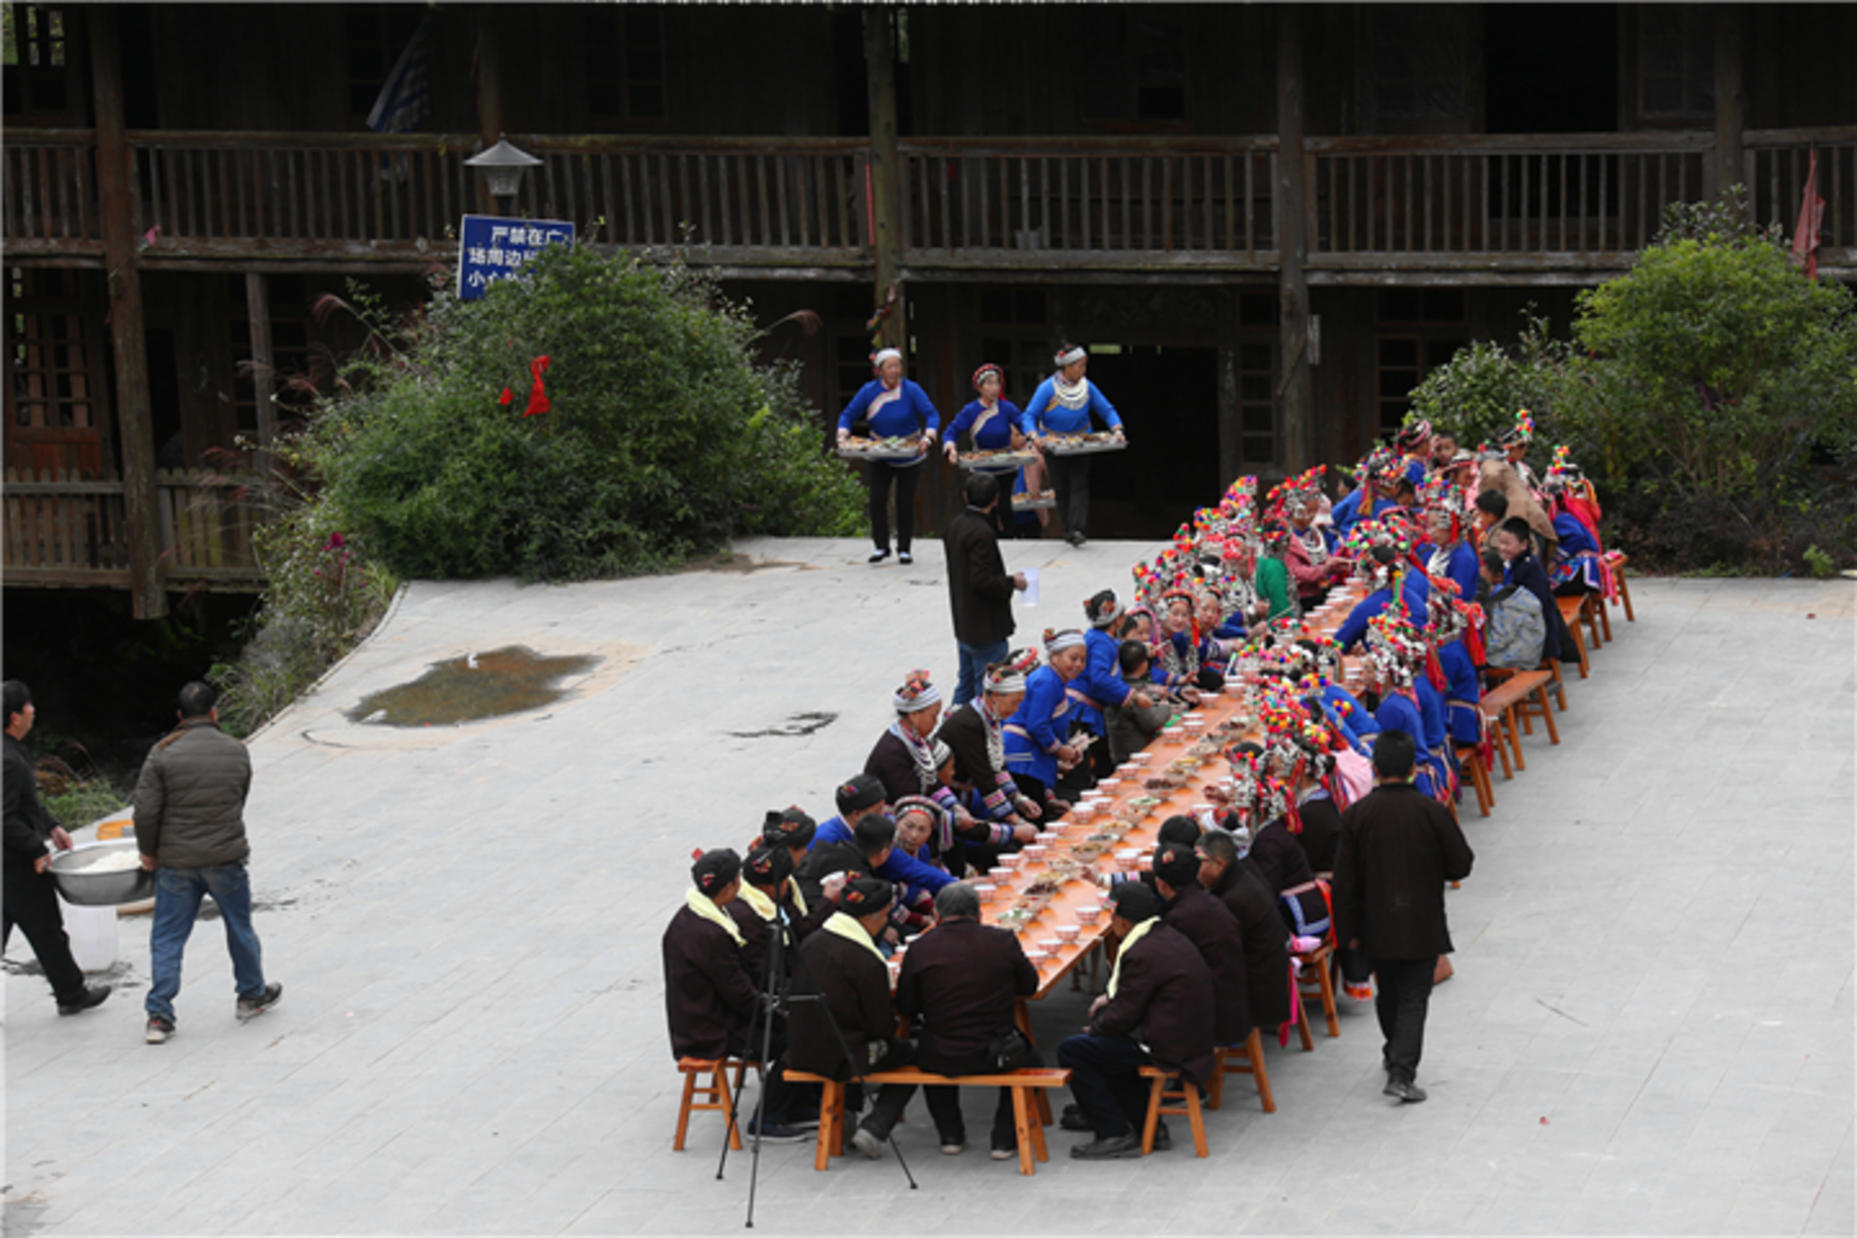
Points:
(1550, 68)
(1169, 400)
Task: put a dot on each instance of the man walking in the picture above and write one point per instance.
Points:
(31, 897)
(978, 586)
(190, 827)
(1398, 848)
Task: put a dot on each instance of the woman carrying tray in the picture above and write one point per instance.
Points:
(990, 421)
(894, 407)
(1064, 404)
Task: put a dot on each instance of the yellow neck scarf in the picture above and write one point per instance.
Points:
(846, 927)
(1128, 943)
(762, 904)
(705, 907)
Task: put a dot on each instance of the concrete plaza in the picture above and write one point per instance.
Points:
(1650, 1029)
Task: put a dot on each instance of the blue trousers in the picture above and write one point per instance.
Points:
(974, 661)
(178, 892)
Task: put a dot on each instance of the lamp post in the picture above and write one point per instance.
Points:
(502, 167)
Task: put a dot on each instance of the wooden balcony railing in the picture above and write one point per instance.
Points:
(1087, 202)
(1518, 203)
(69, 531)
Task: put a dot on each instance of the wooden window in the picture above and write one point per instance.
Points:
(1676, 63)
(290, 369)
(1135, 60)
(625, 64)
(55, 388)
(1257, 404)
(1401, 362)
(38, 60)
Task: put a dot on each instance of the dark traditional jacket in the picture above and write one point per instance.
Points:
(979, 587)
(1213, 930)
(1398, 849)
(856, 987)
(1266, 944)
(824, 860)
(1165, 1000)
(28, 822)
(1321, 832)
(708, 995)
(1278, 858)
(957, 984)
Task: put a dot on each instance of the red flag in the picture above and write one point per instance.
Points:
(538, 395)
(1811, 218)
(505, 398)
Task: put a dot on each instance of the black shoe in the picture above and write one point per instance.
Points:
(771, 1132)
(905, 558)
(251, 1007)
(1116, 1147)
(89, 999)
(1072, 1119)
(1163, 1139)
(878, 556)
(159, 1029)
(1407, 1091)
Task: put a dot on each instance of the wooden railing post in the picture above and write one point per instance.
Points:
(1293, 387)
(1730, 100)
(263, 377)
(134, 421)
(885, 167)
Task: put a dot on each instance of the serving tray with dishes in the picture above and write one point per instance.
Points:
(857, 448)
(1084, 444)
(1001, 461)
(1025, 502)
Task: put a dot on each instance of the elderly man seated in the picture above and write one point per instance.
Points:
(709, 995)
(1213, 930)
(957, 986)
(1260, 925)
(841, 1004)
(1159, 1010)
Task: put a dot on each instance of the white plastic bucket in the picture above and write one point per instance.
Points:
(92, 931)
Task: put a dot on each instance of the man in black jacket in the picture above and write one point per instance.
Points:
(709, 995)
(1213, 930)
(841, 964)
(979, 588)
(1260, 924)
(1398, 849)
(871, 841)
(957, 985)
(1160, 996)
(31, 897)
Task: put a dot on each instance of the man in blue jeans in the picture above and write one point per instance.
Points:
(190, 828)
(979, 588)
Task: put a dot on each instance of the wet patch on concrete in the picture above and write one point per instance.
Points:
(801, 724)
(510, 680)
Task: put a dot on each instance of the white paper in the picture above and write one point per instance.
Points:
(1029, 597)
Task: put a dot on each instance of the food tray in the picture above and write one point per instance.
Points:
(1024, 502)
(855, 448)
(1003, 461)
(1083, 444)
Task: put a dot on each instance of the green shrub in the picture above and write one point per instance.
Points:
(1476, 395)
(80, 803)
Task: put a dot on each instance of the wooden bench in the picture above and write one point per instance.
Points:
(1026, 1085)
(1570, 613)
(1616, 560)
(1244, 1059)
(1517, 693)
(1470, 757)
(1321, 986)
(1181, 1100)
(714, 1094)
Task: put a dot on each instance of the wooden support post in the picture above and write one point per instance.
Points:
(1294, 398)
(129, 344)
(263, 371)
(1730, 99)
(886, 204)
(489, 100)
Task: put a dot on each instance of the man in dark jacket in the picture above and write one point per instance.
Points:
(1398, 849)
(709, 993)
(1160, 996)
(841, 964)
(190, 827)
(1213, 930)
(979, 588)
(1260, 925)
(957, 985)
(31, 896)
(865, 851)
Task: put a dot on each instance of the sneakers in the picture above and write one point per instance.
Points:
(252, 1007)
(159, 1029)
(1116, 1147)
(1163, 1139)
(867, 1143)
(905, 558)
(952, 1147)
(1407, 1091)
(771, 1132)
(1004, 1152)
(89, 999)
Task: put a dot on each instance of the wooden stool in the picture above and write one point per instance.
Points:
(1592, 610)
(715, 1094)
(1616, 560)
(1322, 986)
(1244, 1059)
(1471, 758)
(1027, 1085)
(1182, 1100)
(1570, 609)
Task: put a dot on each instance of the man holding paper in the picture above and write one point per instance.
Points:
(979, 588)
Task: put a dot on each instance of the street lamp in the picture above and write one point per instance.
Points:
(502, 167)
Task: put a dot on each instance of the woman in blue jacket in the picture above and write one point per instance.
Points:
(1037, 740)
(990, 421)
(894, 407)
(1064, 404)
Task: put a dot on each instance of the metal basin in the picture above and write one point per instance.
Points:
(79, 883)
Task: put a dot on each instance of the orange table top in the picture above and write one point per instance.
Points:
(1227, 718)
